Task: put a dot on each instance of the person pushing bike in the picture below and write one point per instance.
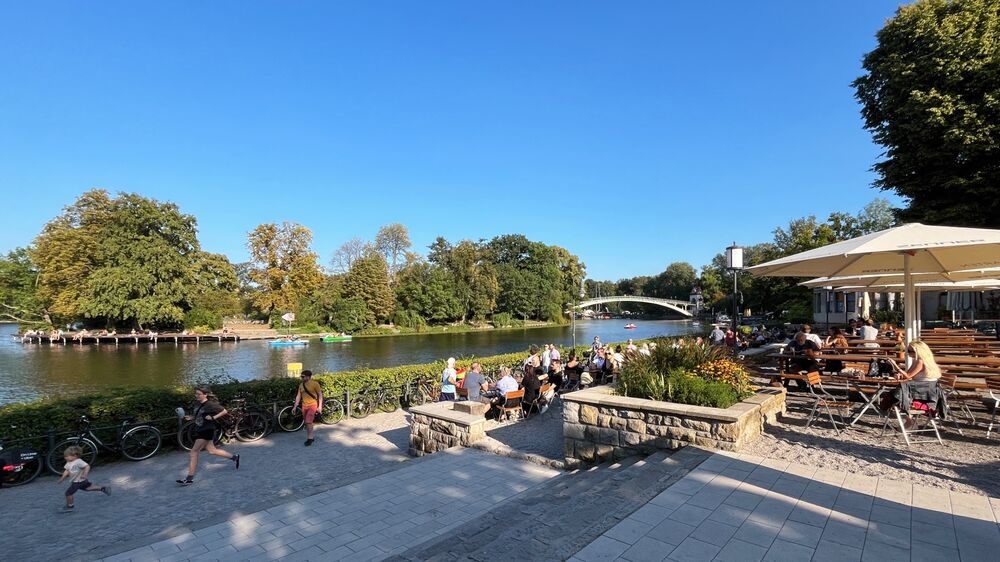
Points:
(310, 395)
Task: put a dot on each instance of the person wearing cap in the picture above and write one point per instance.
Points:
(448, 381)
(310, 395)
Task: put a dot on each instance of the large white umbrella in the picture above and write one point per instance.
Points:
(908, 249)
(897, 278)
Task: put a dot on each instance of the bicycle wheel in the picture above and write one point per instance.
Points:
(251, 427)
(19, 466)
(290, 419)
(333, 411)
(55, 460)
(361, 405)
(140, 443)
(186, 439)
(387, 402)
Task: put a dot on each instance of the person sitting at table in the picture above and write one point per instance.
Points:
(838, 344)
(811, 336)
(496, 396)
(869, 333)
(852, 327)
(805, 351)
(924, 372)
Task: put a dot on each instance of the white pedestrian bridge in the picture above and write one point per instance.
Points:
(682, 307)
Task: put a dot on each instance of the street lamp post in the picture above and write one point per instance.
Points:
(573, 313)
(734, 262)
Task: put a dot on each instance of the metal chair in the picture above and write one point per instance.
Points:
(992, 400)
(916, 408)
(827, 401)
(947, 383)
(538, 402)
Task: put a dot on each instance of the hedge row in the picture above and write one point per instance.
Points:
(35, 419)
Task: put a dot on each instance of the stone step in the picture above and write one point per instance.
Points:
(559, 517)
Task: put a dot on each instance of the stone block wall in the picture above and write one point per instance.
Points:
(599, 426)
(438, 426)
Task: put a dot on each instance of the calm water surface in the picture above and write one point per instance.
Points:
(30, 371)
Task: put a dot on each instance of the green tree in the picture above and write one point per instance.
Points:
(368, 280)
(18, 297)
(931, 97)
(392, 241)
(351, 314)
(675, 282)
(123, 259)
(284, 267)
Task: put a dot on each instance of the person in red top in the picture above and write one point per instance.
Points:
(310, 395)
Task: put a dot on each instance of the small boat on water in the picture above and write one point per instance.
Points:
(629, 326)
(288, 343)
(331, 339)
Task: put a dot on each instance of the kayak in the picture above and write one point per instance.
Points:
(330, 339)
(288, 343)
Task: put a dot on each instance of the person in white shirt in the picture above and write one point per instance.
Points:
(807, 329)
(554, 353)
(869, 332)
(77, 470)
(547, 358)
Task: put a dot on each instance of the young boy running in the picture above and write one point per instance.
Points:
(77, 470)
(311, 396)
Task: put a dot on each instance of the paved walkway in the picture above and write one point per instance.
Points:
(147, 505)
(742, 508)
(368, 520)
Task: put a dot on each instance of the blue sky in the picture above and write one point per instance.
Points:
(634, 134)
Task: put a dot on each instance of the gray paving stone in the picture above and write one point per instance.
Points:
(800, 533)
(714, 532)
(694, 550)
(741, 551)
(926, 552)
(652, 514)
(603, 549)
(943, 536)
(784, 551)
(730, 515)
(875, 551)
(757, 533)
(671, 532)
(899, 516)
(843, 533)
(828, 551)
(670, 499)
(889, 534)
(809, 514)
(744, 500)
(772, 511)
(690, 514)
(629, 531)
(647, 549)
(977, 531)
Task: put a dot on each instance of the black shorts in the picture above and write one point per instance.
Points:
(208, 434)
(75, 487)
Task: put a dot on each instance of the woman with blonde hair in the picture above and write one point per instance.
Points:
(924, 367)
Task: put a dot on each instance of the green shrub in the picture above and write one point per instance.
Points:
(502, 320)
(198, 317)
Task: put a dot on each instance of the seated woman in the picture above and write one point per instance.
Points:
(838, 343)
(923, 374)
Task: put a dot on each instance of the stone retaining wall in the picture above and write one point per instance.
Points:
(436, 427)
(600, 426)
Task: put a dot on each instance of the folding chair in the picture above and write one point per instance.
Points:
(538, 402)
(947, 383)
(512, 404)
(916, 408)
(992, 400)
(827, 401)
(572, 381)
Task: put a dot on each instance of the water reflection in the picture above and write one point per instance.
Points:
(32, 371)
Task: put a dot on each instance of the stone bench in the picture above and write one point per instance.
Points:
(441, 425)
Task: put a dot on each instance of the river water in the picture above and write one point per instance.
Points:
(31, 371)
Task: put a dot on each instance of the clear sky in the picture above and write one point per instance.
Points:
(633, 134)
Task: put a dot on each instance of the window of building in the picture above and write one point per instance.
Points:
(851, 301)
(839, 298)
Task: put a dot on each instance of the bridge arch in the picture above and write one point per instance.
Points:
(682, 307)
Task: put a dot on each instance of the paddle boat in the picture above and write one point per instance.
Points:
(288, 343)
(331, 339)
(629, 326)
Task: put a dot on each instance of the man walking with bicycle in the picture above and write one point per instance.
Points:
(310, 395)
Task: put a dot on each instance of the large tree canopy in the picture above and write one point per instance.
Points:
(284, 267)
(931, 97)
(120, 259)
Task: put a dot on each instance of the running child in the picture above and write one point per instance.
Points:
(77, 471)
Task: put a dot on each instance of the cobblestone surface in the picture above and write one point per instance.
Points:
(367, 520)
(146, 502)
(540, 434)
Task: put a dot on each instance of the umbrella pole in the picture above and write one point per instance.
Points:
(909, 305)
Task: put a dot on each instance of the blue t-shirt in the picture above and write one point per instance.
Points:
(447, 387)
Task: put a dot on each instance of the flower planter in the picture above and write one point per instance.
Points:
(599, 425)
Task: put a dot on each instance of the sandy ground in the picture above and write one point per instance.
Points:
(965, 463)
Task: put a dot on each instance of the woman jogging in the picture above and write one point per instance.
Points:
(207, 411)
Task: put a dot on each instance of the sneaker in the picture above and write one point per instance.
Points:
(106, 490)
(67, 509)
(309, 442)
(185, 482)
(236, 459)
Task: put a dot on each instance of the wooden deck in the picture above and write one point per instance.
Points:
(119, 339)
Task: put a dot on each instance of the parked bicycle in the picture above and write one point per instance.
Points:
(243, 423)
(290, 417)
(133, 441)
(418, 393)
(18, 466)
